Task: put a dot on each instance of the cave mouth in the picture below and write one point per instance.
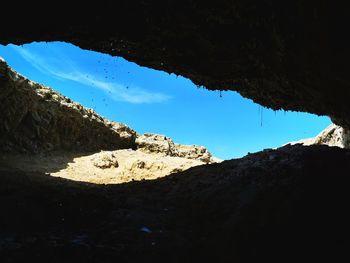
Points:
(286, 203)
(152, 101)
(110, 121)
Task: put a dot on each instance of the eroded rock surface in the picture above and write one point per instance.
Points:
(195, 152)
(160, 144)
(105, 160)
(333, 135)
(156, 143)
(35, 118)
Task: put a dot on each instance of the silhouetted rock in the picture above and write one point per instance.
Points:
(290, 55)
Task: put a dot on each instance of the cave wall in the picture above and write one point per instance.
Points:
(289, 54)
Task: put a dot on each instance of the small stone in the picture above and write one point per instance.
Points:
(146, 230)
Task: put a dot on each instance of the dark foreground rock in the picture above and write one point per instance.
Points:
(290, 54)
(285, 205)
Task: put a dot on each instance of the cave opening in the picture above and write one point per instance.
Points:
(151, 101)
(286, 203)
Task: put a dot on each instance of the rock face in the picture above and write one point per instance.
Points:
(195, 152)
(282, 54)
(156, 143)
(160, 144)
(34, 118)
(333, 135)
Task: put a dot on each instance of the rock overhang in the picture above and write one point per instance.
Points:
(290, 55)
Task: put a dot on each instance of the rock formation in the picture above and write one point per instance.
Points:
(290, 55)
(105, 160)
(34, 118)
(333, 135)
(157, 143)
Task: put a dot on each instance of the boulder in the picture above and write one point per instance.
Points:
(105, 160)
(160, 144)
(156, 143)
(194, 152)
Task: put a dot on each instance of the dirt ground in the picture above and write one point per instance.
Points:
(286, 205)
(130, 165)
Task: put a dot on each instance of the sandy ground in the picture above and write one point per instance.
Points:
(132, 166)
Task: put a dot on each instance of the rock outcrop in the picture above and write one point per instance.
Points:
(34, 118)
(156, 143)
(160, 144)
(195, 152)
(333, 135)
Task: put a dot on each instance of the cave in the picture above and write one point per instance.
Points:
(283, 204)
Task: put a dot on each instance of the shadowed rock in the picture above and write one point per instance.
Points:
(34, 118)
(290, 55)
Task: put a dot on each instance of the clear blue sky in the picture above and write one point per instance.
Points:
(153, 101)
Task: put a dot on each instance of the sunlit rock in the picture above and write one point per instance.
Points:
(333, 135)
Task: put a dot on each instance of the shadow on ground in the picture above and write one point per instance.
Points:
(285, 204)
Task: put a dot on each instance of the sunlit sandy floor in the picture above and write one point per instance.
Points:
(131, 165)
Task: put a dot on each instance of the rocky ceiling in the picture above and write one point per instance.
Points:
(290, 54)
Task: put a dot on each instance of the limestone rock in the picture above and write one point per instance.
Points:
(194, 152)
(35, 118)
(124, 132)
(333, 135)
(156, 143)
(160, 144)
(105, 160)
